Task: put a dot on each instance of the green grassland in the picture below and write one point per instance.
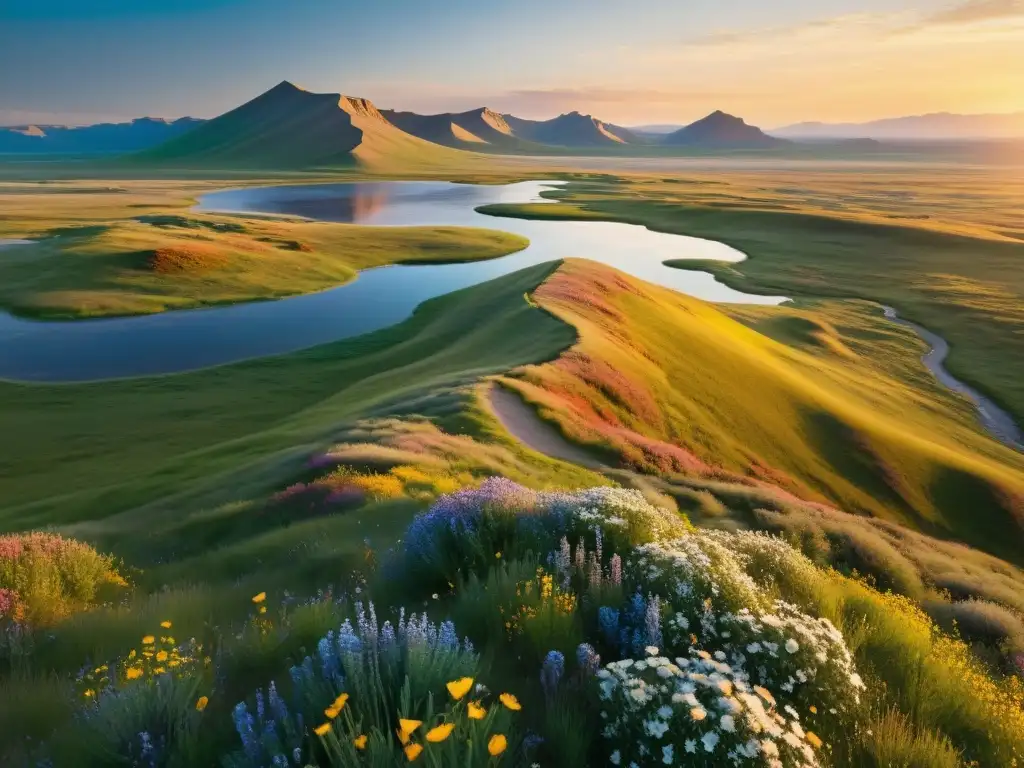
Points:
(137, 248)
(944, 247)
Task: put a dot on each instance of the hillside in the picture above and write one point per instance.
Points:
(571, 130)
(935, 126)
(477, 129)
(287, 127)
(139, 134)
(722, 131)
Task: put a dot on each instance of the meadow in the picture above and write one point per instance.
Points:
(790, 540)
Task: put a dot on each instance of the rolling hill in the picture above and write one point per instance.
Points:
(936, 126)
(288, 127)
(572, 129)
(722, 131)
(137, 135)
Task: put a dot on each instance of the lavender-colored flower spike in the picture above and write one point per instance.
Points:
(551, 672)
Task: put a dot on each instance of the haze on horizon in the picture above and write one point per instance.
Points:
(649, 61)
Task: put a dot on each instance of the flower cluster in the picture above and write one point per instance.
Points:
(695, 710)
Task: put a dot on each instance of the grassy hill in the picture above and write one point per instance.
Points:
(812, 404)
(287, 127)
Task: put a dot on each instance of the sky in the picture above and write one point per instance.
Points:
(632, 63)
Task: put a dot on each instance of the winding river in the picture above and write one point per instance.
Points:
(170, 342)
(998, 422)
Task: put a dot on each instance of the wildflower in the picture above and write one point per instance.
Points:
(263, 609)
(667, 755)
(814, 709)
(148, 640)
(260, 597)
(133, 673)
(413, 751)
(339, 703)
(510, 701)
(159, 671)
(408, 726)
(161, 656)
(792, 646)
(765, 694)
(321, 730)
(459, 688)
(331, 712)
(497, 745)
(201, 703)
(813, 740)
(497, 555)
(551, 672)
(710, 740)
(698, 713)
(359, 742)
(165, 624)
(90, 693)
(440, 733)
(475, 711)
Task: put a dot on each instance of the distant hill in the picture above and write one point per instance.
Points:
(288, 127)
(721, 131)
(481, 128)
(656, 128)
(571, 130)
(118, 138)
(940, 125)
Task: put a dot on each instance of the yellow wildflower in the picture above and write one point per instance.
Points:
(359, 742)
(201, 704)
(159, 671)
(813, 740)
(497, 745)
(765, 694)
(260, 597)
(263, 609)
(413, 751)
(322, 730)
(814, 710)
(459, 688)
(165, 624)
(408, 726)
(90, 693)
(148, 640)
(698, 713)
(440, 732)
(497, 555)
(510, 701)
(331, 713)
(476, 712)
(161, 656)
(339, 703)
(133, 673)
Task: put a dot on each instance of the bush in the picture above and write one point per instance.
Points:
(45, 577)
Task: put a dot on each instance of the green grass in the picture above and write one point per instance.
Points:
(96, 449)
(670, 385)
(140, 250)
(943, 250)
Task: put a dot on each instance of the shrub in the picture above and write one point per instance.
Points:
(45, 577)
(979, 620)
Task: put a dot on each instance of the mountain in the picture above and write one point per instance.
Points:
(571, 130)
(288, 127)
(721, 131)
(137, 135)
(477, 129)
(939, 125)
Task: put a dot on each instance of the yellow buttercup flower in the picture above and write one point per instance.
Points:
(165, 624)
(331, 712)
(475, 711)
(201, 704)
(359, 742)
(161, 656)
(260, 597)
(148, 640)
(263, 609)
(339, 703)
(322, 730)
(510, 701)
(813, 740)
(133, 673)
(413, 751)
(497, 745)
(459, 688)
(159, 671)
(408, 726)
(814, 710)
(440, 733)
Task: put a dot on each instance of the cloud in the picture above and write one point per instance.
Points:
(974, 11)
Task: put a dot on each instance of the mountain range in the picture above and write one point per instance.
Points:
(935, 126)
(291, 127)
(136, 135)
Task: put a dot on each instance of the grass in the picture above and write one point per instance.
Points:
(138, 249)
(669, 385)
(940, 244)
